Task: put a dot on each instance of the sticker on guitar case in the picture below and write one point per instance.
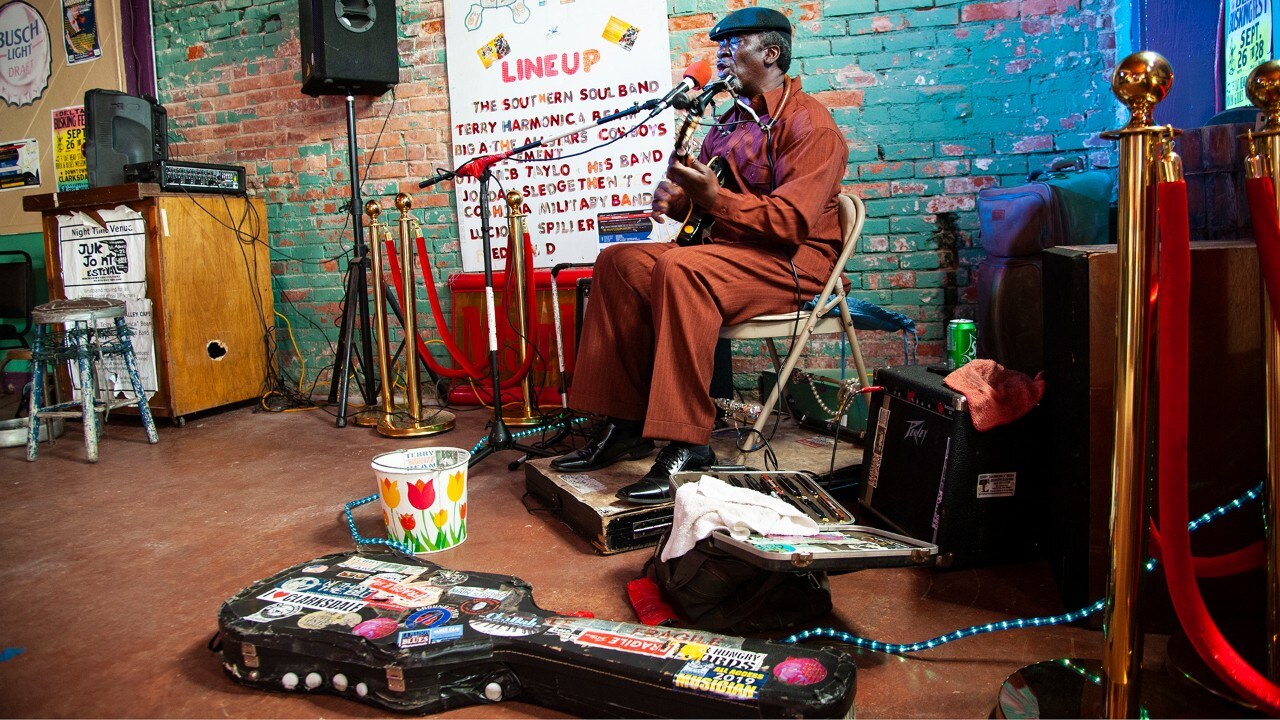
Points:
(376, 628)
(508, 624)
(429, 617)
(275, 611)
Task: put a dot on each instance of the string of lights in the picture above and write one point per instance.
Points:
(1016, 624)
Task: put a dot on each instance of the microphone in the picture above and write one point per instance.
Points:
(476, 166)
(713, 88)
(695, 76)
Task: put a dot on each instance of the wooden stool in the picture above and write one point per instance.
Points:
(88, 346)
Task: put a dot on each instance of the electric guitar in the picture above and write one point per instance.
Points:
(695, 227)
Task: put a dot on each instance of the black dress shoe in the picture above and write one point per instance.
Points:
(655, 486)
(609, 444)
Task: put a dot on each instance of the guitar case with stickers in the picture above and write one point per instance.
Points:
(408, 635)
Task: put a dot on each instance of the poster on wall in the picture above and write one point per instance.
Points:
(25, 58)
(80, 31)
(108, 260)
(19, 164)
(68, 149)
(1248, 31)
(524, 72)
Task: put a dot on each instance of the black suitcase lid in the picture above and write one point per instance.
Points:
(432, 639)
(840, 546)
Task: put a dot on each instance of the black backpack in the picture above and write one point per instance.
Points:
(718, 592)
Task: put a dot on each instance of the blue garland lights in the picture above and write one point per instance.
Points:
(531, 431)
(1017, 624)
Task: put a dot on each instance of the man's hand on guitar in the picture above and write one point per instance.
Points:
(669, 200)
(698, 181)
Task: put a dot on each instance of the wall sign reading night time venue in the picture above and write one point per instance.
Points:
(1248, 29)
(520, 72)
(105, 257)
(25, 60)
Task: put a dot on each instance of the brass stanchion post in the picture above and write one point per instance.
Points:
(1263, 90)
(518, 268)
(372, 417)
(1140, 82)
(1067, 688)
(410, 423)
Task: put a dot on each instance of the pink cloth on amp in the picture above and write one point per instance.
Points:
(996, 395)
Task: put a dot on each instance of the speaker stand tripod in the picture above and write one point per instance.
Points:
(356, 303)
(356, 293)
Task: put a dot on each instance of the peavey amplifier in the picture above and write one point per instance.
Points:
(930, 475)
(173, 175)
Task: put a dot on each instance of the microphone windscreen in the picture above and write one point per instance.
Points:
(699, 72)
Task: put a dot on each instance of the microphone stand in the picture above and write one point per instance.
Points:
(500, 437)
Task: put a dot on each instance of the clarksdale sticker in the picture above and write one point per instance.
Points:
(312, 600)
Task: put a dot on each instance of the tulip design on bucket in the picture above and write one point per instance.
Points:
(424, 497)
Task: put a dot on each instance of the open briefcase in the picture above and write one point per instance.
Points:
(406, 634)
(841, 544)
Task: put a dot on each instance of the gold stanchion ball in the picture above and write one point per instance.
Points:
(1263, 87)
(1140, 81)
(404, 203)
(372, 209)
(514, 198)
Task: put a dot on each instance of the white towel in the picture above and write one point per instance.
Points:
(712, 504)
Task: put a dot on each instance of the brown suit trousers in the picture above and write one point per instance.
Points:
(653, 318)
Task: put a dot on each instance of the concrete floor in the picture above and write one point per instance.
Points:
(114, 573)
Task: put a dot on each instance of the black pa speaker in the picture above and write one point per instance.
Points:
(348, 46)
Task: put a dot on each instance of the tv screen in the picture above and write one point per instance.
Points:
(121, 129)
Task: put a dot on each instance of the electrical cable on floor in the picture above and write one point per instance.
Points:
(1017, 624)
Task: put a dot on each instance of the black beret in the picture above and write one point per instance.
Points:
(750, 19)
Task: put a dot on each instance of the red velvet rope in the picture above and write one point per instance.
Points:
(1171, 347)
(530, 300)
(465, 368)
(1266, 232)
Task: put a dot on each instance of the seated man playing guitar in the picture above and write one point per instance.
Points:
(649, 335)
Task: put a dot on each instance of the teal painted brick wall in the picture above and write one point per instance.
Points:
(938, 99)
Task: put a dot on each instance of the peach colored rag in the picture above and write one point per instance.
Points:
(996, 395)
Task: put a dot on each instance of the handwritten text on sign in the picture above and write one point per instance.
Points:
(521, 74)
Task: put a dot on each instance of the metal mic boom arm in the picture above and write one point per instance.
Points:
(476, 166)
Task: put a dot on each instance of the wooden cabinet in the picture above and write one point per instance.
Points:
(208, 276)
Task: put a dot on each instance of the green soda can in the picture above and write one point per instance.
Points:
(962, 342)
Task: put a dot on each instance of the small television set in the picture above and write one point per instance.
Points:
(121, 129)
